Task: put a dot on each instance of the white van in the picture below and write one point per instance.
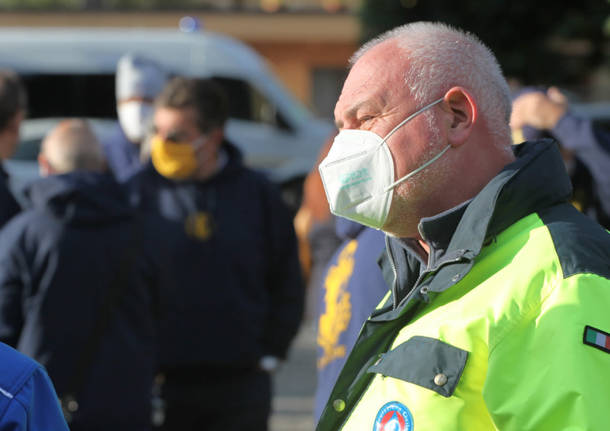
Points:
(70, 72)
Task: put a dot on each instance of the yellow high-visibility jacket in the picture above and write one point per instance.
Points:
(505, 327)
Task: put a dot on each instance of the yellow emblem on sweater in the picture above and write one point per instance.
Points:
(338, 313)
(199, 225)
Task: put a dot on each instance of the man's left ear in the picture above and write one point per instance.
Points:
(462, 114)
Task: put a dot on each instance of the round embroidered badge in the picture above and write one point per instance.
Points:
(393, 416)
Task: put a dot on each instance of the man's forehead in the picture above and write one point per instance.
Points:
(185, 115)
(374, 77)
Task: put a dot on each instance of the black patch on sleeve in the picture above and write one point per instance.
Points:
(582, 245)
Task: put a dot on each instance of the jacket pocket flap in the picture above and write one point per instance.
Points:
(426, 362)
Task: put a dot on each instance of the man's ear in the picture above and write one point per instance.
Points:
(462, 114)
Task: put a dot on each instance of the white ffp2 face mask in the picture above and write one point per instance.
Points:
(135, 118)
(358, 174)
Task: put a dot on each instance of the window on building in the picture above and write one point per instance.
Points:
(327, 84)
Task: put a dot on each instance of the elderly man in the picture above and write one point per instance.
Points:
(497, 317)
(78, 276)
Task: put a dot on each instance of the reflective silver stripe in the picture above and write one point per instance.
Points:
(6, 393)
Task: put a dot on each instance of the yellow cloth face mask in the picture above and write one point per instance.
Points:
(176, 161)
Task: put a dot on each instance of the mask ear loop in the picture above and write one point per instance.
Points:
(425, 165)
(410, 174)
(409, 118)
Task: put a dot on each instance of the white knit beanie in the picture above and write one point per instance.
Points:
(137, 76)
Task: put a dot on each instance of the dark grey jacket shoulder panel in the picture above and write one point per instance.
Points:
(582, 245)
(426, 362)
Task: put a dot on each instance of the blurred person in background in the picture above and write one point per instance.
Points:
(237, 299)
(344, 282)
(315, 228)
(585, 146)
(27, 398)
(138, 81)
(78, 283)
(13, 105)
(352, 286)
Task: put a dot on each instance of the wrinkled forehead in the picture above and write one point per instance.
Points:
(377, 76)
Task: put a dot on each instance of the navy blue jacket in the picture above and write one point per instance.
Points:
(352, 287)
(8, 204)
(57, 260)
(27, 398)
(238, 291)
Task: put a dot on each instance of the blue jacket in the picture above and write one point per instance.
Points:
(122, 155)
(238, 292)
(352, 287)
(8, 204)
(57, 260)
(27, 398)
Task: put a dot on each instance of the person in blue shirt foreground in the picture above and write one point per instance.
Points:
(27, 397)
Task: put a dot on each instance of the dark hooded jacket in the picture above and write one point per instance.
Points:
(238, 292)
(57, 261)
(8, 204)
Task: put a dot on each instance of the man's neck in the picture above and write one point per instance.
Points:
(425, 246)
(212, 166)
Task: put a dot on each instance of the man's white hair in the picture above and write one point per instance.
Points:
(441, 57)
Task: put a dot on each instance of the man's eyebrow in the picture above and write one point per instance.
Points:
(351, 112)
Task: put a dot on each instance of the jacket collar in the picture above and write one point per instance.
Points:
(535, 180)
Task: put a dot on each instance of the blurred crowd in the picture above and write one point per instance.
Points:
(153, 275)
(160, 281)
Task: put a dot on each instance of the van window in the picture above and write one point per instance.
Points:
(247, 103)
(70, 95)
(93, 96)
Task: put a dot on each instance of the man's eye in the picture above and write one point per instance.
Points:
(365, 119)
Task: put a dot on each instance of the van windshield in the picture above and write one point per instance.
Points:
(93, 96)
(70, 95)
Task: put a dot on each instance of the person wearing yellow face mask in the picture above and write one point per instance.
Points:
(237, 299)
